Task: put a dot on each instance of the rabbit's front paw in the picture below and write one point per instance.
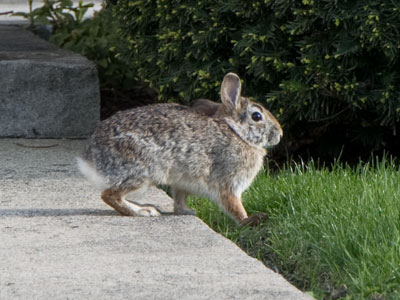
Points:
(148, 211)
(254, 220)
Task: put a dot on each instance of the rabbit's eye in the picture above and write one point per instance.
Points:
(256, 116)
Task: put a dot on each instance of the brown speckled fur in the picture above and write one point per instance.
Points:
(170, 144)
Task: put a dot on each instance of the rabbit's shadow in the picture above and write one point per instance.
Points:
(46, 212)
(59, 212)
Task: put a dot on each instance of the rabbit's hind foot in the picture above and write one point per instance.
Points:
(116, 199)
(147, 210)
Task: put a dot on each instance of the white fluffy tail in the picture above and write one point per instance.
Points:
(91, 174)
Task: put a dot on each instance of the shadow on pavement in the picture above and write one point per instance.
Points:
(55, 212)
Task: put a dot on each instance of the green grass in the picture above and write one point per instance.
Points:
(329, 229)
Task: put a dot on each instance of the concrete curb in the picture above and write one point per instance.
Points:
(45, 91)
(59, 241)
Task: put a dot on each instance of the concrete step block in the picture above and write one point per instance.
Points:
(45, 91)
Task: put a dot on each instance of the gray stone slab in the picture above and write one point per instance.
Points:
(45, 91)
(59, 241)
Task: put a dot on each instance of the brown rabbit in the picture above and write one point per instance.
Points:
(215, 157)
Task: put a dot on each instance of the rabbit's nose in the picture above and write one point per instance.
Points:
(277, 131)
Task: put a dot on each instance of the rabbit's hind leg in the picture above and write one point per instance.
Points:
(116, 199)
(233, 205)
(180, 205)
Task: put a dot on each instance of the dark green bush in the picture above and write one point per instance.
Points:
(328, 69)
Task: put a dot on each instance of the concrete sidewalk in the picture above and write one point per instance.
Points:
(59, 241)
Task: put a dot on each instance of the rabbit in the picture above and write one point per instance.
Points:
(170, 144)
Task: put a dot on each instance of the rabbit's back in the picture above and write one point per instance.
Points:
(159, 131)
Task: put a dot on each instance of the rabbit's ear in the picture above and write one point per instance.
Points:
(230, 91)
